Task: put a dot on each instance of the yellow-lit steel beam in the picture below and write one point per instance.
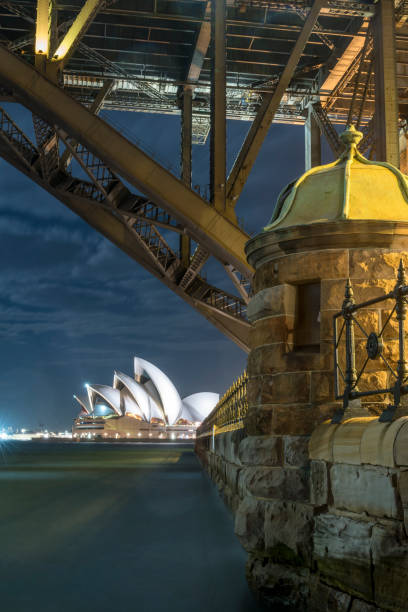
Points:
(115, 229)
(213, 230)
(43, 27)
(386, 91)
(77, 30)
(266, 113)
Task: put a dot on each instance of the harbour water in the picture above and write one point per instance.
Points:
(112, 528)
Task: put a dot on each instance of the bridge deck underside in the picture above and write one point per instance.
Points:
(144, 55)
(147, 46)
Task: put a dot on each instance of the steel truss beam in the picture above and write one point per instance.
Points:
(97, 202)
(208, 227)
(327, 128)
(267, 111)
(201, 47)
(313, 152)
(240, 26)
(352, 66)
(43, 27)
(334, 7)
(362, 81)
(78, 28)
(257, 49)
(186, 159)
(218, 133)
(386, 103)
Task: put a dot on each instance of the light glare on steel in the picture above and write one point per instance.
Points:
(42, 27)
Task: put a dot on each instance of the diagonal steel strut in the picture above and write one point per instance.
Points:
(211, 229)
(136, 236)
(270, 104)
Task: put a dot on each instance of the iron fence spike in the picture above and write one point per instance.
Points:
(349, 293)
(401, 273)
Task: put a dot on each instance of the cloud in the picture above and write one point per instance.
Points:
(73, 307)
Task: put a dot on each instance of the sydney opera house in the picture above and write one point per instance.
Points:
(145, 407)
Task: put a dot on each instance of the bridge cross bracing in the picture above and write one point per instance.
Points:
(320, 63)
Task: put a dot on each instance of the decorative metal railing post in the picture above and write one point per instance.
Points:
(229, 413)
(351, 372)
(397, 386)
(402, 369)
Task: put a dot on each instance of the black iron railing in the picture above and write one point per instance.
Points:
(345, 345)
(230, 411)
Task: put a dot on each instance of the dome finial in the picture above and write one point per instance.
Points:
(351, 137)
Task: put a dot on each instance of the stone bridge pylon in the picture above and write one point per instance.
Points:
(322, 506)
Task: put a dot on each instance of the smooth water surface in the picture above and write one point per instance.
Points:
(109, 527)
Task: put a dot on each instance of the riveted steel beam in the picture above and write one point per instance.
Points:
(137, 237)
(218, 130)
(386, 94)
(43, 27)
(201, 47)
(95, 108)
(78, 28)
(237, 330)
(186, 134)
(327, 128)
(198, 260)
(208, 227)
(313, 150)
(240, 284)
(266, 113)
(101, 96)
(45, 36)
(186, 158)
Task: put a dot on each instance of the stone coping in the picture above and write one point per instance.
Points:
(270, 245)
(362, 440)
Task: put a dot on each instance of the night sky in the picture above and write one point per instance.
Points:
(74, 307)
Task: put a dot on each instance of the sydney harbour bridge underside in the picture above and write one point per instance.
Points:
(319, 63)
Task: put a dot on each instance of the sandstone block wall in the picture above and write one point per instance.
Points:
(265, 480)
(323, 532)
(358, 476)
(286, 380)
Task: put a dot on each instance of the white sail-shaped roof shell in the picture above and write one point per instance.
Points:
(155, 411)
(83, 401)
(198, 406)
(129, 405)
(136, 391)
(170, 399)
(109, 394)
(152, 392)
